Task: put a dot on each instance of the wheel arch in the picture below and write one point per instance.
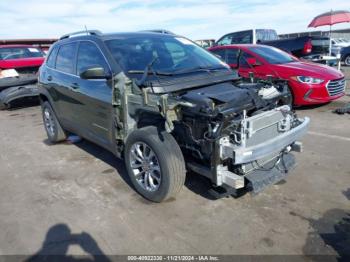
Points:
(149, 118)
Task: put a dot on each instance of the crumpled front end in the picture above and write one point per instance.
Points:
(239, 137)
(258, 153)
(234, 133)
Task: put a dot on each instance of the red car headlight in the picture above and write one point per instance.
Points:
(308, 80)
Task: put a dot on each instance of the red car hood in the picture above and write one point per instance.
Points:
(306, 69)
(23, 62)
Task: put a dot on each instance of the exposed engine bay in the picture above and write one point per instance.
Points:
(238, 134)
(233, 131)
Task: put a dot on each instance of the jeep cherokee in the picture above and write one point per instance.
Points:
(165, 105)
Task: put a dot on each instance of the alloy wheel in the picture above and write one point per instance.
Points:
(49, 122)
(145, 166)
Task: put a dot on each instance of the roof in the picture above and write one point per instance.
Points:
(235, 45)
(109, 36)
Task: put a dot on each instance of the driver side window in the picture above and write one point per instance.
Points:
(227, 40)
(90, 56)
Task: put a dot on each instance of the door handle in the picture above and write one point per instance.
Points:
(74, 86)
(49, 78)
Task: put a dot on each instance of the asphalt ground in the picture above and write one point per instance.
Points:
(76, 199)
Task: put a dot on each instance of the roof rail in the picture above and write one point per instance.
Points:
(160, 31)
(85, 32)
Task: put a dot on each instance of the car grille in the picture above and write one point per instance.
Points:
(336, 87)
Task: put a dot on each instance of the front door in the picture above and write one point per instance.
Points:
(94, 95)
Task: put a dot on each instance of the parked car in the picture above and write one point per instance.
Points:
(163, 103)
(313, 48)
(345, 55)
(161, 31)
(19, 65)
(205, 43)
(340, 42)
(310, 83)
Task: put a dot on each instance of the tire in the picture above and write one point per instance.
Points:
(165, 169)
(347, 60)
(54, 131)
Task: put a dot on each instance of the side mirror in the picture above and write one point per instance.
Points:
(94, 73)
(253, 62)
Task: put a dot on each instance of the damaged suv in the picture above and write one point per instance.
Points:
(165, 105)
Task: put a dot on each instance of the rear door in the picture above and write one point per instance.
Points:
(61, 77)
(94, 95)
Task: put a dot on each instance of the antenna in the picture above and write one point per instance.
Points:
(86, 30)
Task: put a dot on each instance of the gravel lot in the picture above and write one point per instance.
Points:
(76, 199)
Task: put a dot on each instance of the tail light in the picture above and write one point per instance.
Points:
(307, 47)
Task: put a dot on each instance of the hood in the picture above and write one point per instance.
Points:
(222, 97)
(23, 62)
(306, 69)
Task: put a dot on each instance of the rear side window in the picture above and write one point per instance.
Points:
(90, 56)
(266, 35)
(232, 56)
(226, 40)
(243, 37)
(50, 62)
(65, 58)
(220, 53)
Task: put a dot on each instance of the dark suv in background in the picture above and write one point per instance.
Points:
(157, 100)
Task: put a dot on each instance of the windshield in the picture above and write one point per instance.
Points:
(8, 53)
(168, 54)
(272, 55)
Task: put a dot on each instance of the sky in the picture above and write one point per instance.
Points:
(195, 19)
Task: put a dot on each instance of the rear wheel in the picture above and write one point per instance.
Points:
(155, 163)
(54, 131)
(347, 60)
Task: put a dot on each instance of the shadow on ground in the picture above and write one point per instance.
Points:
(57, 242)
(194, 182)
(107, 157)
(330, 233)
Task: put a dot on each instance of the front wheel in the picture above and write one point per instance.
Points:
(155, 164)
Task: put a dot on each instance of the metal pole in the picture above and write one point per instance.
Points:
(330, 40)
(330, 34)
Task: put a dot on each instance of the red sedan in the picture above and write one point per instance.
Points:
(20, 56)
(309, 83)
